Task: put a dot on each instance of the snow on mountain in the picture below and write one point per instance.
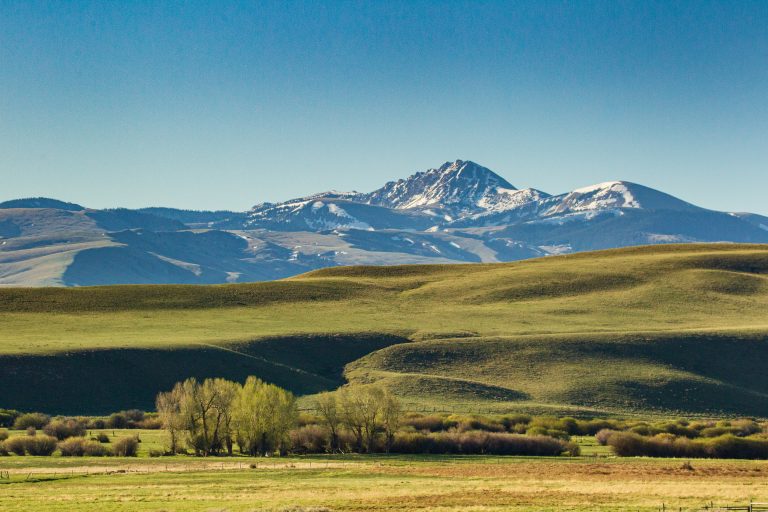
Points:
(315, 213)
(458, 188)
(614, 194)
(456, 195)
(458, 212)
(329, 211)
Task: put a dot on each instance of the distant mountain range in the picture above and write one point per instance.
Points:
(458, 212)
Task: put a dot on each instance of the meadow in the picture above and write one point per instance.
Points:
(650, 332)
(352, 483)
(655, 330)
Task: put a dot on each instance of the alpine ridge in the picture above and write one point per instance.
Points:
(457, 212)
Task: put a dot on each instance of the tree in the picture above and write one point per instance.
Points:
(203, 411)
(168, 406)
(211, 414)
(264, 414)
(391, 413)
(351, 416)
(327, 407)
(226, 393)
(362, 410)
(366, 411)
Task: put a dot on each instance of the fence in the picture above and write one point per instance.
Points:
(711, 507)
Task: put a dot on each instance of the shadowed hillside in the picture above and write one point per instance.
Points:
(651, 329)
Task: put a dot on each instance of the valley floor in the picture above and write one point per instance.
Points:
(354, 483)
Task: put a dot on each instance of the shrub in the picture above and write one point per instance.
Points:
(603, 435)
(592, 427)
(542, 431)
(64, 428)
(16, 445)
(309, 439)
(478, 442)
(96, 424)
(630, 444)
(31, 431)
(78, 446)
(95, 449)
(732, 447)
(666, 445)
(126, 447)
(746, 427)
(150, 424)
(40, 445)
(72, 447)
(3, 449)
(32, 419)
(102, 437)
(3, 434)
(8, 417)
(512, 421)
(432, 423)
(679, 430)
(645, 430)
(346, 441)
(549, 423)
(572, 449)
(470, 423)
(134, 415)
(117, 420)
(717, 431)
(156, 453)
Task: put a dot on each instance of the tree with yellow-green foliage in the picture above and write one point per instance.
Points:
(366, 411)
(264, 414)
(327, 407)
(201, 411)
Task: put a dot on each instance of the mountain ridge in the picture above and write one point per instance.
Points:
(459, 211)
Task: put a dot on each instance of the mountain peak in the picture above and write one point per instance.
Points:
(616, 194)
(457, 188)
(469, 171)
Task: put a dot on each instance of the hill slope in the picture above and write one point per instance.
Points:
(663, 328)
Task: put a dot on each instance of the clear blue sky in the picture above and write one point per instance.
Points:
(226, 104)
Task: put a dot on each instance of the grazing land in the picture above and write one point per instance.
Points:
(678, 329)
(355, 483)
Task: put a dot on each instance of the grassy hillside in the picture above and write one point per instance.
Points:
(662, 328)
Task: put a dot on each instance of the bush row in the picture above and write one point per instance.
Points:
(565, 427)
(481, 443)
(37, 420)
(629, 444)
(313, 438)
(45, 445)
(550, 426)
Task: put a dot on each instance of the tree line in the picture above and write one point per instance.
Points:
(212, 416)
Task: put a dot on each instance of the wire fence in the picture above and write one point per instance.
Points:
(712, 507)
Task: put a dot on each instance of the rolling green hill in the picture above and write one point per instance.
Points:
(656, 329)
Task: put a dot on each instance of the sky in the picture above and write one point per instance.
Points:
(222, 105)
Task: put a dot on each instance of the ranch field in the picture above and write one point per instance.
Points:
(352, 483)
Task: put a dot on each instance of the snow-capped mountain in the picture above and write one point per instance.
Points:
(458, 212)
(615, 194)
(328, 211)
(456, 194)
(455, 189)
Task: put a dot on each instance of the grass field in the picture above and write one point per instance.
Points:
(376, 483)
(660, 330)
